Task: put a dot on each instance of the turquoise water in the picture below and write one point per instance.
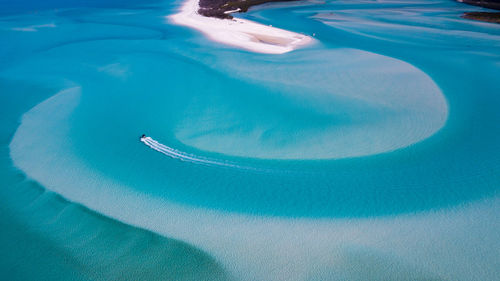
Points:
(389, 121)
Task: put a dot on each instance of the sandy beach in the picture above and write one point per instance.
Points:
(240, 33)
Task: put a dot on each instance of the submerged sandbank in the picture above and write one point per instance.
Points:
(423, 246)
(241, 33)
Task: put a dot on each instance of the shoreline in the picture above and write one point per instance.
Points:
(241, 33)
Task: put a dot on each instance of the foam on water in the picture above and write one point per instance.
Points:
(176, 154)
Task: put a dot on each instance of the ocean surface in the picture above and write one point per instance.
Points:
(373, 154)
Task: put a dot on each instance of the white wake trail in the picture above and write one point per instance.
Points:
(174, 153)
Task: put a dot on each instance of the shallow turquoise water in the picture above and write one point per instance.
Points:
(393, 112)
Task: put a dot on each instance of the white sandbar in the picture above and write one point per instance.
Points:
(241, 33)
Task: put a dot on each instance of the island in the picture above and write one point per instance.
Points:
(493, 17)
(483, 16)
(214, 19)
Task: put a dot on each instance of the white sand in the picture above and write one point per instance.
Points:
(241, 33)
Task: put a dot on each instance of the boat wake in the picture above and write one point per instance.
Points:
(176, 154)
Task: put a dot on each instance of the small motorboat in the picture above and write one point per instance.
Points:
(143, 137)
